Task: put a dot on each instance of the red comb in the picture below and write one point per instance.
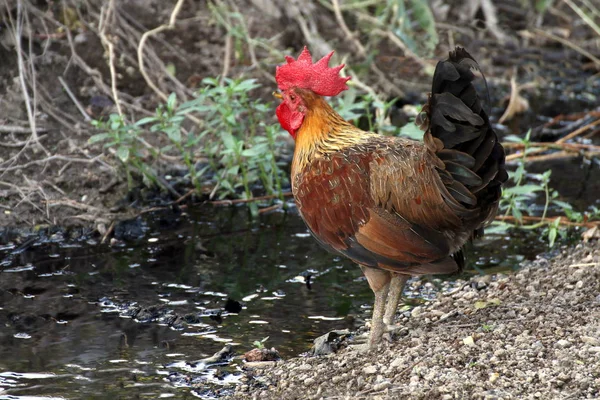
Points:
(318, 77)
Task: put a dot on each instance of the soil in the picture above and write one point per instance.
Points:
(533, 334)
(66, 181)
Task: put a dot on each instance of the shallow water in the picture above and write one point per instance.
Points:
(87, 320)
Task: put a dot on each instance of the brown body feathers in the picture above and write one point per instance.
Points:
(393, 203)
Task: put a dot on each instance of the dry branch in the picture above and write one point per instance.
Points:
(148, 34)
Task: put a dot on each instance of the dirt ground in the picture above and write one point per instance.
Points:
(61, 68)
(531, 335)
(534, 334)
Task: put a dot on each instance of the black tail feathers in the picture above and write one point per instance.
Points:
(460, 133)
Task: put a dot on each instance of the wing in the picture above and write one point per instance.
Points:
(379, 204)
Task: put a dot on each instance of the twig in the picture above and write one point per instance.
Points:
(185, 196)
(20, 129)
(552, 145)
(270, 208)
(145, 36)
(102, 24)
(108, 232)
(24, 197)
(584, 16)
(30, 114)
(569, 44)
(23, 143)
(579, 131)
(51, 158)
(351, 36)
(74, 99)
(553, 156)
(226, 57)
(563, 220)
(512, 102)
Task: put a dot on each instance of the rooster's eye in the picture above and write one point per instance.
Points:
(292, 97)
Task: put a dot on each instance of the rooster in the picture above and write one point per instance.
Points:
(395, 206)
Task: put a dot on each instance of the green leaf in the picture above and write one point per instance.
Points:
(517, 213)
(523, 189)
(412, 131)
(255, 151)
(247, 85)
(562, 204)
(229, 141)
(174, 134)
(513, 138)
(497, 228)
(123, 153)
(552, 232)
(145, 121)
(99, 138)
(171, 69)
(172, 101)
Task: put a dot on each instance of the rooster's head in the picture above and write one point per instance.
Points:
(299, 77)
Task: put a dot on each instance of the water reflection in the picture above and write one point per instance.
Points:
(88, 320)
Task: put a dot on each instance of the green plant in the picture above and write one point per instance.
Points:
(126, 142)
(239, 146)
(518, 201)
(260, 344)
(353, 107)
(410, 21)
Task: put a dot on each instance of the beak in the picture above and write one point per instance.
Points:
(278, 95)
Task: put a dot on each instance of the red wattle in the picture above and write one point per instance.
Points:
(289, 120)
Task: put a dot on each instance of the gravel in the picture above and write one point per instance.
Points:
(534, 334)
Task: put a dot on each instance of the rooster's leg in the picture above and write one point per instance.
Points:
(379, 281)
(396, 287)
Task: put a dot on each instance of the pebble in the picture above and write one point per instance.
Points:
(590, 340)
(398, 362)
(417, 312)
(551, 349)
(309, 381)
(469, 341)
(370, 369)
(382, 386)
(594, 350)
(494, 377)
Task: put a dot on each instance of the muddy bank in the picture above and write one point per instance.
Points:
(533, 334)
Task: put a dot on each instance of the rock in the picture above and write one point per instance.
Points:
(552, 348)
(592, 341)
(329, 343)
(262, 355)
(416, 312)
(370, 369)
(382, 386)
(309, 381)
(469, 341)
(222, 355)
(494, 377)
(398, 362)
(594, 350)
(259, 364)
